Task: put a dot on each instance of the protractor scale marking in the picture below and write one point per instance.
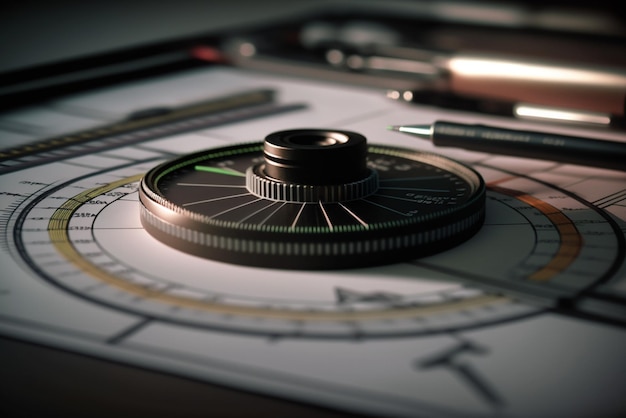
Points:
(83, 237)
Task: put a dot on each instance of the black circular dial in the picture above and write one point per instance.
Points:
(312, 199)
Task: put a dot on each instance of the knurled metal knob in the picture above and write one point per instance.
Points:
(269, 188)
(313, 165)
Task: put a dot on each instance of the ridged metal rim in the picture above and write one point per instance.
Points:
(268, 188)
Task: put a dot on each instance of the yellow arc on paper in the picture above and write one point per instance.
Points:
(58, 232)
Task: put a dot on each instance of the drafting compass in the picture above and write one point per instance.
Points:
(312, 199)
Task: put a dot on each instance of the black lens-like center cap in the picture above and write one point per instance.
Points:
(315, 156)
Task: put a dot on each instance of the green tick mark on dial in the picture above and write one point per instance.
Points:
(219, 170)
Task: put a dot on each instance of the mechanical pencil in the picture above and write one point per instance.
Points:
(529, 144)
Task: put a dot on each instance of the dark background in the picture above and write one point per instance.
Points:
(38, 32)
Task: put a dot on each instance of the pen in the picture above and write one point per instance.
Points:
(490, 76)
(453, 101)
(529, 144)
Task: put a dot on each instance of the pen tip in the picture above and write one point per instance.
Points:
(421, 131)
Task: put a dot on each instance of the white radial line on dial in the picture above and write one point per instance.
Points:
(270, 203)
(197, 202)
(235, 207)
(385, 207)
(361, 221)
(396, 197)
(295, 221)
(267, 218)
(330, 225)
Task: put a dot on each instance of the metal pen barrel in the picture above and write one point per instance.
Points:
(531, 144)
